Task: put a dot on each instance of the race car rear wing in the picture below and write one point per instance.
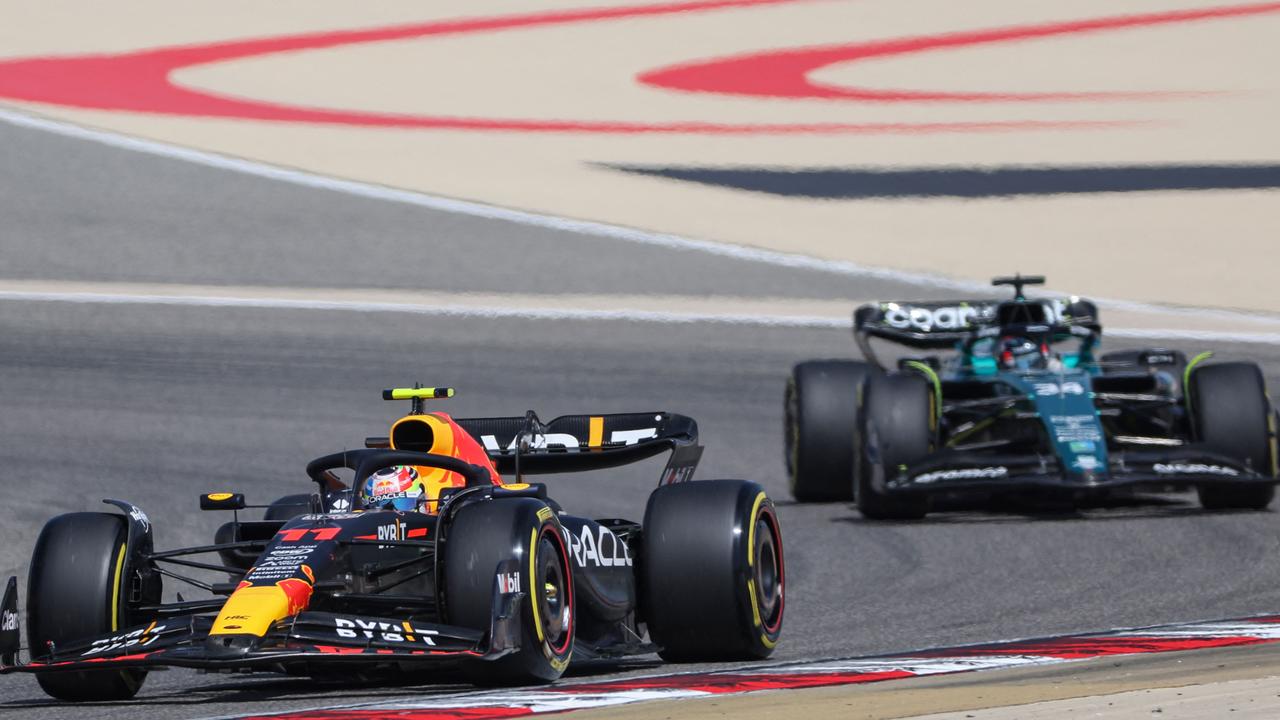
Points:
(579, 443)
(945, 324)
(576, 443)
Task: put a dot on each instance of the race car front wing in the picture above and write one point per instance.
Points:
(959, 470)
(310, 637)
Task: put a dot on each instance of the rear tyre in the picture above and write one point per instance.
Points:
(897, 430)
(821, 420)
(75, 591)
(713, 579)
(1230, 415)
(484, 534)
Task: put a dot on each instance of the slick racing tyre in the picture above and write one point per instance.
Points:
(821, 408)
(1230, 415)
(484, 534)
(897, 429)
(713, 579)
(76, 590)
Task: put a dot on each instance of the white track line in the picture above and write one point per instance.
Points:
(615, 232)
(467, 207)
(495, 312)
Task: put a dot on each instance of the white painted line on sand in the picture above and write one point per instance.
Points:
(468, 207)
(585, 227)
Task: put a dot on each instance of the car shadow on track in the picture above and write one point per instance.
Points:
(1136, 507)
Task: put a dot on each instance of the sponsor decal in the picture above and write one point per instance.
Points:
(1083, 446)
(570, 442)
(1086, 462)
(678, 474)
(297, 591)
(342, 504)
(141, 517)
(1193, 469)
(391, 532)
(329, 516)
(383, 631)
(601, 549)
(509, 583)
(1066, 388)
(984, 473)
(956, 317)
(141, 637)
(280, 562)
(8, 621)
(1076, 428)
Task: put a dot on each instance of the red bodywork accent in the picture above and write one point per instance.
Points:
(468, 449)
(298, 592)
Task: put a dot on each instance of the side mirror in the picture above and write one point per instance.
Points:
(222, 501)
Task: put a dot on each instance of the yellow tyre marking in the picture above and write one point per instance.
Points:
(755, 607)
(533, 579)
(751, 534)
(115, 590)
(751, 584)
(751, 560)
(595, 437)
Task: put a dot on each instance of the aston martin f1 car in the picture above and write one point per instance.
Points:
(494, 578)
(1022, 405)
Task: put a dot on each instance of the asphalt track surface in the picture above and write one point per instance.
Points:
(158, 404)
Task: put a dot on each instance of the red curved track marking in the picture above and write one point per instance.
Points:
(139, 81)
(785, 73)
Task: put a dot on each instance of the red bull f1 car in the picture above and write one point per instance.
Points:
(1023, 404)
(426, 557)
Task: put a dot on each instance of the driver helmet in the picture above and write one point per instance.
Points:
(398, 487)
(1022, 353)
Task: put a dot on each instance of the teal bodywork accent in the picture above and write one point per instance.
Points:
(1062, 398)
(984, 366)
(1064, 402)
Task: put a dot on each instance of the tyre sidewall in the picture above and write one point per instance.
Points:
(1231, 415)
(76, 591)
(482, 535)
(897, 429)
(700, 598)
(821, 409)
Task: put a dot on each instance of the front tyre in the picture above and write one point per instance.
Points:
(897, 429)
(484, 534)
(1230, 415)
(713, 580)
(821, 408)
(75, 591)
